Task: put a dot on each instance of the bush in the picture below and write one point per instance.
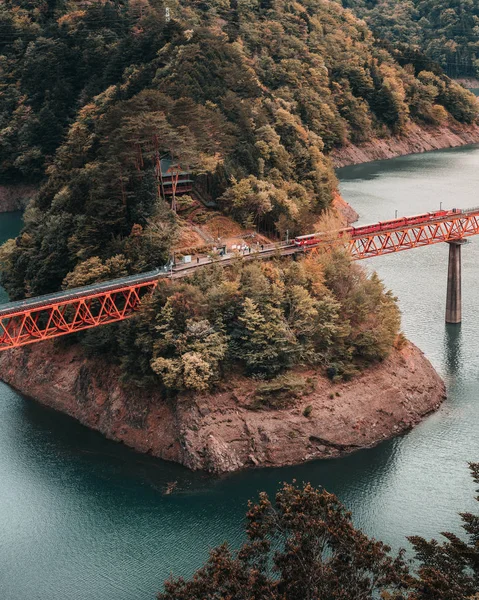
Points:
(308, 411)
(281, 392)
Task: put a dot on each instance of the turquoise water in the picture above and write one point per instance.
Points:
(86, 519)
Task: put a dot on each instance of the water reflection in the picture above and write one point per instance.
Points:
(452, 348)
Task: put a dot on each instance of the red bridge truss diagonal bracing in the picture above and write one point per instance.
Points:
(46, 317)
(387, 242)
(27, 326)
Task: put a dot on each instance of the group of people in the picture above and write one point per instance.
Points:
(244, 249)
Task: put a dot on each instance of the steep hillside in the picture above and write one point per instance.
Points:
(252, 93)
(252, 96)
(447, 31)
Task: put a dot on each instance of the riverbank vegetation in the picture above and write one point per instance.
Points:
(260, 319)
(252, 96)
(304, 546)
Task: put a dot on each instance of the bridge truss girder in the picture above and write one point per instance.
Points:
(69, 316)
(425, 234)
(58, 318)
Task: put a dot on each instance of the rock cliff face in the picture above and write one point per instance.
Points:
(415, 140)
(16, 197)
(345, 210)
(221, 432)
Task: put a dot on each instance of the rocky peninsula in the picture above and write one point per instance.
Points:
(224, 431)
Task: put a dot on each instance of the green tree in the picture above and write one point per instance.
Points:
(199, 351)
(301, 547)
(267, 345)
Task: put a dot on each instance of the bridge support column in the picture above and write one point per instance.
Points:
(453, 300)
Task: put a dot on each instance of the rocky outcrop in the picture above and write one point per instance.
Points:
(222, 432)
(415, 140)
(345, 210)
(16, 197)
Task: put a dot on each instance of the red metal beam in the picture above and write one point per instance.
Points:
(21, 326)
(62, 318)
(455, 227)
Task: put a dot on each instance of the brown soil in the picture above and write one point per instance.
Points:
(199, 236)
(189, 238)
(345, 210)
(220, 226)
(220, 432)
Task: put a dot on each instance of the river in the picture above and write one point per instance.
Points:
(85, 518)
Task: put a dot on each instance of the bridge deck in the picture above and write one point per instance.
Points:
(86, 291)
(61, 313)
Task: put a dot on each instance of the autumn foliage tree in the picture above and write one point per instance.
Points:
(304, 546)
(260, 319)
(250, 96)
(450, 570)
(445, 30)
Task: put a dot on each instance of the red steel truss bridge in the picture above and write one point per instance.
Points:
(46, 317)
(449, 228)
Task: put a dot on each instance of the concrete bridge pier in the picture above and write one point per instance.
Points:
(453, 300)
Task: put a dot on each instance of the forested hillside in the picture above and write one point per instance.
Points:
(446, 30)
(251, 93)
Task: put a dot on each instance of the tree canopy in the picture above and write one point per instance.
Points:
(250, 94)
(304, 546)
(254, 94)
(447, 31)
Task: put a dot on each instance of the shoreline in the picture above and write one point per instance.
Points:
(219, 432)
(15, 197)
(416, 140)
(223, 432)
(471, 83)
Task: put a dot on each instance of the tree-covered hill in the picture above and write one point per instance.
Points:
(251, 94)
(446, 30)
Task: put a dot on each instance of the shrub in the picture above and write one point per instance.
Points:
(280, 393)
(307, 411)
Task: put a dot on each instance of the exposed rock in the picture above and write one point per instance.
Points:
(16, 197)
(346, 211)
(415, 140)
(219, 432)
(468, 82)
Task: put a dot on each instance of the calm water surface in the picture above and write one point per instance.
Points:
(82, 518)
